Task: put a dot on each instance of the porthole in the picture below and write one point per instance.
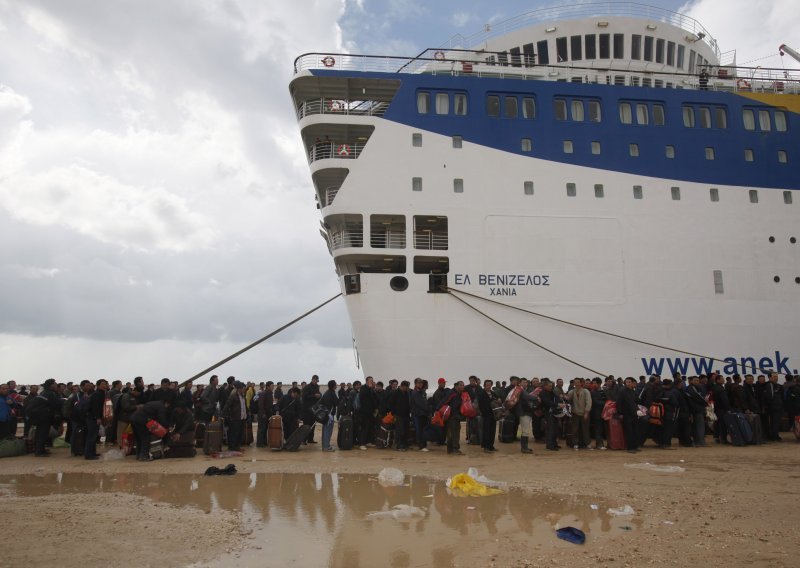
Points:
(792, 240)
(398, 283)
(777, 279)
(772, 239)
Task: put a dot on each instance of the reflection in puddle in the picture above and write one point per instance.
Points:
(323, 519)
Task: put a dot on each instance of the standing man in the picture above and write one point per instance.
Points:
(453, 425)
(329, 401)
(551, 403)
(94, 418)
(419, 412)
(599, 397)
(209, 399)
(773, 404)
(697, 408)
(581, 409)
(43, 411)
(311, 396)
(235, 413)
(264, 405)
(524, 412)
(627, 406)
(368, 410)
(721, 407)
(289, 410)
(489, 424)
(400, 406)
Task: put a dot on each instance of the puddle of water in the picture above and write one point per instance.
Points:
(323, 519)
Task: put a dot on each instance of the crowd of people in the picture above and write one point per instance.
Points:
(582, 413)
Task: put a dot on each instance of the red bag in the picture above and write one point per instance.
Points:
(609, 410)
(656, 413)
(468, 409)
(127, 443)
(616, 435)
(441, 416)
(513, 397)
(156, 429)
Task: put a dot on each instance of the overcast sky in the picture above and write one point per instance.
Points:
(156, 209)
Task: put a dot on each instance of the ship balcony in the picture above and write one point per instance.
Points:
(338, 150)
(427, 239)
(387, 239)
(347, 238)
(341, 107)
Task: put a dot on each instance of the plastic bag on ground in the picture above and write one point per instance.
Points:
(473, 473)
(464, 485)
(391, 477)
(624, 511)
(571, 534)
(113, 455)
(398, 513)
(653, 467)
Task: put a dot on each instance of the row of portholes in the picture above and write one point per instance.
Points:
(778, 279)
(792, 240)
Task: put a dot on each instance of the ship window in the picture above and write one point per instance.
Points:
(636, 46)
(416, 139)
(510, 107)
(560, 109)
(516, 61)
(575, 47)
(431, 265)
(619, 79)
(688, 116)
(634, 81)
(637, 192)
(528, 57)
(676, 193)
(633, 149)
(753, 196)
(572, 190)
(658, 115)
(648, 48)
(442, 103)
(493, 105)
(595, 148)
(542, 53)
(787, 197)
(670, 53)
(709, 153)
(458, 142)
(590, 41)
(387, 231)
(763, 121)
(527, 187)
(416, 184)
(681, 57)
(568, 149)
(748, 119)
(595, 114)
(561, 49)
(713, 193)
(659, 51)
(423, 102)
(748, 154)
(598, 190)
(646, 81)
(692, 55)
(605, 46)
(780, 121)
(625, 113)
(460, 100)
(430, 232)
(576, 110)
(642, 116)
(669, 151)
(502, 58)
(782, 158)
(619, 46)
(705, 117)
(525, 145)
(528, 107)
(718, 288)
(458, 185)
(721, 116)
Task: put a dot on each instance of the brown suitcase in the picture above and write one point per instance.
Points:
(213, 438)
(275, 432)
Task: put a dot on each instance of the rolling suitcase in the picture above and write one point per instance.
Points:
(297, 438)
(77, 443)
(212, 440)
(275, 432)
(474, 431)
(734, 429)
(755, 425)
(507, 427)
(199, 434)
(744, 427)
(616, 435)
(344, 439)
(248, 433)
(384, 437)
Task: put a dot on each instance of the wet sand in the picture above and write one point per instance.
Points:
(732, 506)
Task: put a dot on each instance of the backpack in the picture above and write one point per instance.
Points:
(656, 413)
(468, 409)
(513, 397)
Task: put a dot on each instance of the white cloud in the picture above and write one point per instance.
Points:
(461, 19)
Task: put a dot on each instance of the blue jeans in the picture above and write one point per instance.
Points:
(327, 432)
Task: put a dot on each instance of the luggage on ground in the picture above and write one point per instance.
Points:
(616, 435)
(248, 433)
(156, 429)
(77, 441)
(156, 449)
(180, 451)
(507, 429)
(384, 437)
(738, 428)
(344, 439)
(12, 447)
(199, 434)
(754, 420)
(474, 428)
(212, 440)
(275, 432)
(297, 438)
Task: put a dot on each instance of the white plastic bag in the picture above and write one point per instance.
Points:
(624, 511)
(391, 477)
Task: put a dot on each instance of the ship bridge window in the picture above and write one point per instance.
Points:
(430, 232)
(619, 46)
(688, 116)
(636, 46)
(576, 110)
(671, 53)
(560, 109)
(780, 121)
(642, 114)
(658, 115)
(705, 117)
(680, 57)
(692, 56)
(782, 157)
(460, 100)
(561, 49)
(371, 264)
(423, 102)
(442, 103)
(542, 52)
(590, 41)
(516, 60)
(528, 55)
(575, 47)
(763, 121)
(605, 48)
(493, 105)
(648, 48)
(431, 265)
(510, 107)
(387, 231)
(748, 119)
(528, 107)
(660, 51)
(595, 114)
(721, 117)
(625, 116)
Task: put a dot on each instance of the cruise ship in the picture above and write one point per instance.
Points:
(578, 191)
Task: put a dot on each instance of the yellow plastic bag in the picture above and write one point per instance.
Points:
(463, 485)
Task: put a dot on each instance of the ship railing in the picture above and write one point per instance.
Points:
(430, 240)
(330, 195)
(388, 239)
(346, 239)
(339, 150)
(586, 10)
(340, 107)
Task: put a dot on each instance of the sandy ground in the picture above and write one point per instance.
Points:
(731, 507)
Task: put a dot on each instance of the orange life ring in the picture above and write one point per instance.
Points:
(328, 61)
(343, 150)
(742, 84)
(439, 55)
(335, 106)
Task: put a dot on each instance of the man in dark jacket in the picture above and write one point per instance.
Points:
(453, 426)
(367, 411)
(289, 410)
(485, 396)
(235, 414)
(329, 402)
(773, 403)
(669, 398)
(153, 410)
(209, 399)
(420, 412)
(43, 411)
(94, 418)
(551, 404)
(697, 409)
(599, 397)
(524, 412)
(311, 396)
(721, 407)
(400, 407)
(264, 406)
(627, 406)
